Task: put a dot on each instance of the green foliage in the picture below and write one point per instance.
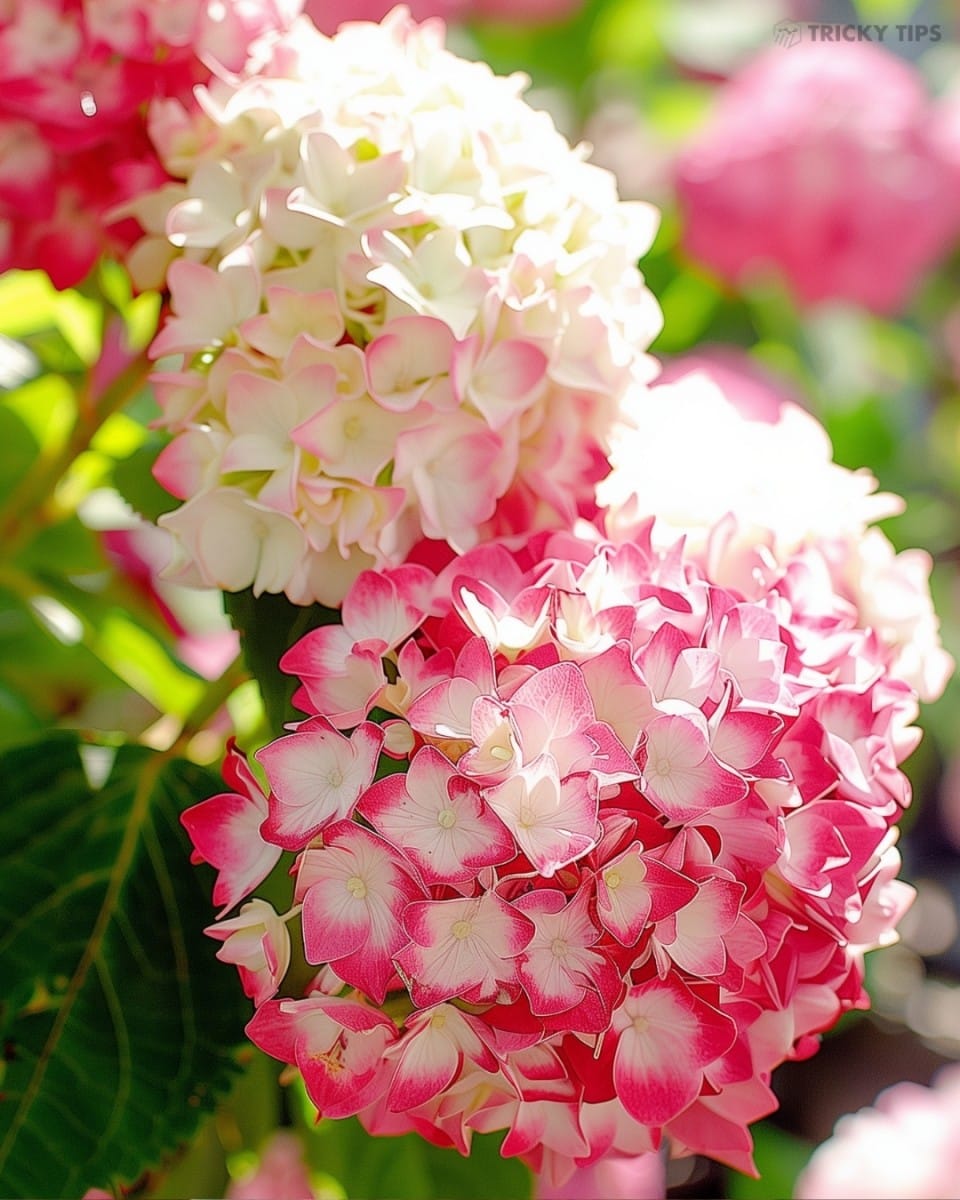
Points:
(17, 448)
(63, 329)
(133, 479)
(885, 10)
(118, 1021)
(780, 1157)
(409, 1168)
(268, 626)
(625, 34)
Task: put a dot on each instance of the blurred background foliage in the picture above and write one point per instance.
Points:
(90, 642)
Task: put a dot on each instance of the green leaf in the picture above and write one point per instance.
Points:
(118, 1021)
(62, 327)
(780, 1157)
(410, 1168)
(18, 449)
(78, 321)
(626, 33)
(688, 302)
(68, 547)
(885, 10)
(51, 676)
(133, 479)
(146, 664)
(28, 302)
(48, 408)
(17, 721)
(268, 626)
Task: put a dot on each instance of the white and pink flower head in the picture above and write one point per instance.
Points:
(755, 485)
(76, 79)
(822, 163)
(586, 844)
(401, 306)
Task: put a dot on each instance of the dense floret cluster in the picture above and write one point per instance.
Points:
(586, 845)
(402, 306)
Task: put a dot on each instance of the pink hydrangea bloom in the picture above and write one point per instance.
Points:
(401, 305)
(759, 485)
(907, 1147)
(76, 77)
(281, 1173)
(642, 1177)
(329, 15)
(822, 163)
(204, 638)
(625, 858)
(945, 131)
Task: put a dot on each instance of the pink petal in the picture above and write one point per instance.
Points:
(317, 778)
(668, 1035)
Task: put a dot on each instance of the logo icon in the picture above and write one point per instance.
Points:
(787, 34)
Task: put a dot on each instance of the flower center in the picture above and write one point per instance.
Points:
(335, 777)
(331, 1060)
(352, 428)
(640, 1024)
(356, 887)
(559, 948)
(446, 818)
(461, 929)
(663, 767)
(612, 879)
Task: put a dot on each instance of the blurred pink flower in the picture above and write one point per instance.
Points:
(329, 15)
(640, 1178)
(822, 162)
(205, 640)
(280, 1174)
(524, 10)
(907, 1147)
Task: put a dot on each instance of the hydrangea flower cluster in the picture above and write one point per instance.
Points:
(586, 844)
(774, 491)
(76, 77)
(801, 169)
(402, 306)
